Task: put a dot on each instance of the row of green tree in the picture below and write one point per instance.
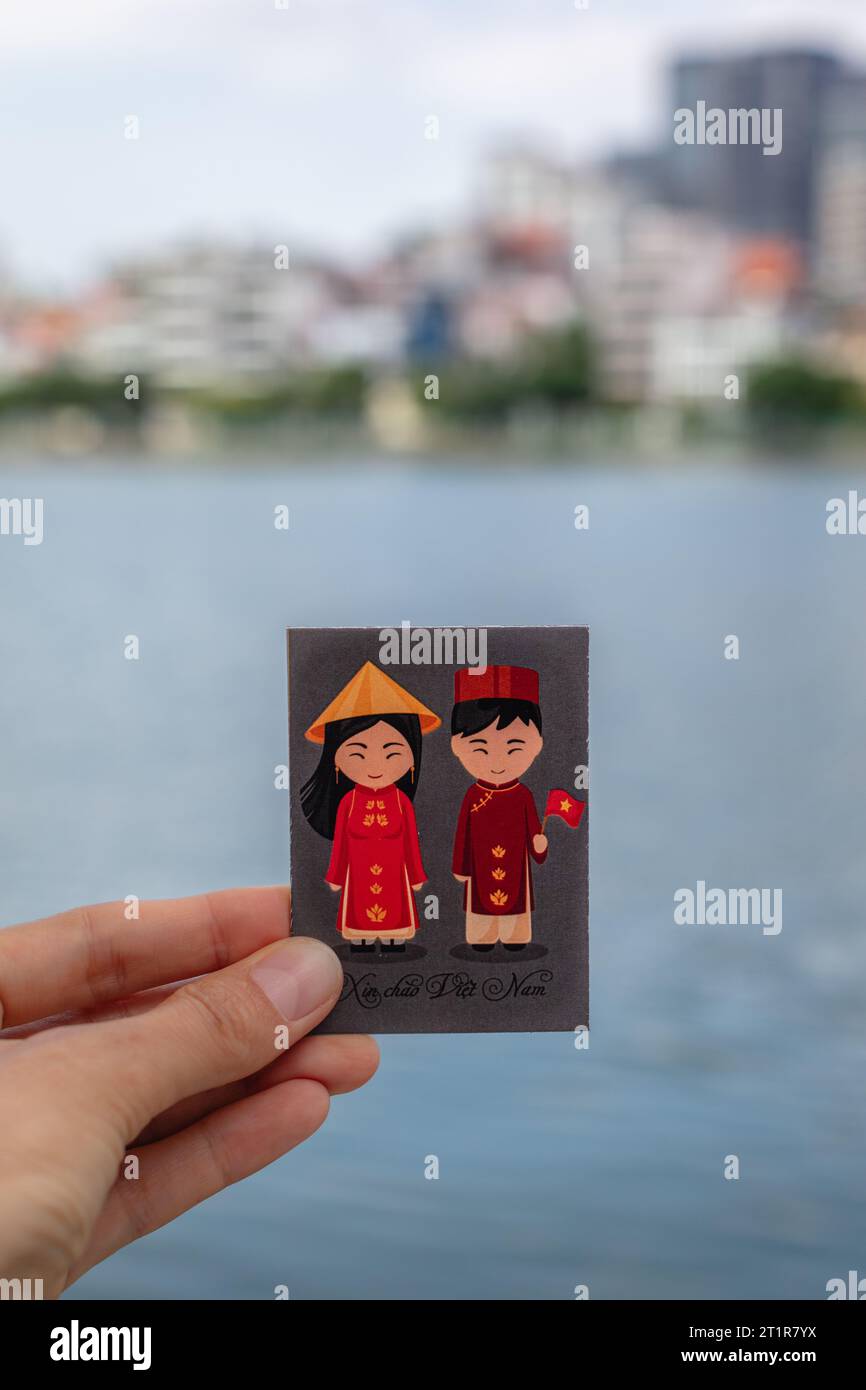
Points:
(555, 372)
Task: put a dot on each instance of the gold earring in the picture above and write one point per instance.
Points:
(412, 774)
(336, 773)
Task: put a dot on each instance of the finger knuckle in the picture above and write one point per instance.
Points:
(222, 1011)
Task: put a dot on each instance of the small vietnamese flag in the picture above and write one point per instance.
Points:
(566, 806)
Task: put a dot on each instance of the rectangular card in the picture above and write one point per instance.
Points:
(437, 786)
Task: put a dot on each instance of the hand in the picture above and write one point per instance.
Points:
(187, 1078)
(416, 887)
(334, 887)
(462, 878)
(539, 843)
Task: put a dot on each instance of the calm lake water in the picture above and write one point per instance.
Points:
(557, 1167)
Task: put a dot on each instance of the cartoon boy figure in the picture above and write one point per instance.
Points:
(496, 735)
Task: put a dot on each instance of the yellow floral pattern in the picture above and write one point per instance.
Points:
(499, 898)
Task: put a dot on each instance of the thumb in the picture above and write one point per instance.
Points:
(225, 1026)
(92, 1088)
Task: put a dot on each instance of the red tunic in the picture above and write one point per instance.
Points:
(493, 846)
(375, 860)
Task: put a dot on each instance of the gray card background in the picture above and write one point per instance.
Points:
(459, 990)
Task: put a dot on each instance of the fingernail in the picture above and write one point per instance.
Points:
(298, 976)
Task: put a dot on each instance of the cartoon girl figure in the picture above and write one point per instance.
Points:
(360, 796)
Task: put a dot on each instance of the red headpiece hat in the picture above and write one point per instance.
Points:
(496, 683)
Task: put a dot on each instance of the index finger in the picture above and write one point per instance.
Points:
(92, 955)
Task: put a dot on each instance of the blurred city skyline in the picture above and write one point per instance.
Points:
(560, 281)
(307, 124)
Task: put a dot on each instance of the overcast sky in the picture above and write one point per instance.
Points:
(306, 124)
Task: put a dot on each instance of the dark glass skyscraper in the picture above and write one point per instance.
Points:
(738, 183)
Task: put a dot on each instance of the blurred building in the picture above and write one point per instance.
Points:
(677, 299)
(523, 186)
(685, 262)
(841, 345)
(841, 240)
(555, 246)
(527, 287)
(739, 184)
(669, 270)
(38, 337)
(199, 315)
(742, 307)
(841, 208)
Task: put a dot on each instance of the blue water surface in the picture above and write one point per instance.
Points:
(558, 1167)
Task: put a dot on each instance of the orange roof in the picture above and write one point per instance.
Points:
(768, 266)
(47, 328)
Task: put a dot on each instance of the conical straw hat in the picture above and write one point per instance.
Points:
(370, 691)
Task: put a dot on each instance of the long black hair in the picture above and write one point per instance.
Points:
(321, 796)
